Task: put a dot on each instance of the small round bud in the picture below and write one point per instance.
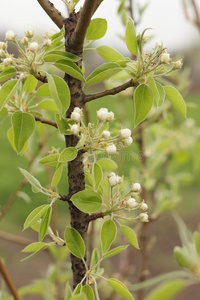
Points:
(143, 206)
(165, 58)
(78, 110)
(8, 61)
(48, 43)
(10, 36)
(131, 203)
(178, 64)
(24, 41)
(33, 47)
(144, 217)
(75, 129)
(110, 116)
(102, 114)
(136, 187)
(75, 116)
(128, 141)
(105, 134)
(29, 34)
(125, 133)
(114, 179)
(111, 149)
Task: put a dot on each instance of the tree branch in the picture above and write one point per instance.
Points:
(52, 12)
(41, 78)
(96, 216)
(112, 91)
(79, 33)
(98, 2)
(45, 121)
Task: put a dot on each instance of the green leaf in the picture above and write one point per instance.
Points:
(77, 289)
(109, 54)
(98, 175)
(30, 84)
(108, 234)
(176, 99)
(74, 242)
(95, 259)
(63, 124)
(120, 288)
(107, 164)
(43, 91)
(35, 215)
(131, 38)
(130, 235)
(7, 73)
(50, 160)
(53, 56)
(196, 237)
(143, 102)
(68, 154)
(57, 176)
(88, 291)
(48, 105)
(60, 93)
(7, 91)
(97, 29)
(45, 223)
(39, 250)
(68, 292)
(153, 86)
(10, 135)
(115, 251)
(167, 290)
(161, 93)
(32, 180)
(70, 68)
(87, 201)
(23, 127)
(80, 296)
(34, 247)
(101, 73)
(183, 258)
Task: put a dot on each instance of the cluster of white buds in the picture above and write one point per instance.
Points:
(8, 61)
(165, 57)
(111, 149)
(104, 115)
(76, 116)
(125, 134)
(114, 179)
(144, 217)
(131, 203)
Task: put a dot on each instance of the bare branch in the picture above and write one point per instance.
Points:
(41, 77)
(96, 216)
(112, 91)
(52, 12)
(45, 121)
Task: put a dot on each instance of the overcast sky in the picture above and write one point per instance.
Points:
(165, 16)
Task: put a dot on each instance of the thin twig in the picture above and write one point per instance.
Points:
(15, 239)
(96, 216)
(113, 91)
(45, 121)
(41, 78)
(52, 12)
(8, 280)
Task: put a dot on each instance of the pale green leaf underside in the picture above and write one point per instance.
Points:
(130, 235)
(176, 99)
(130, 35)
(108, 234)
(143, 102)
(74, 242)
(7, 91)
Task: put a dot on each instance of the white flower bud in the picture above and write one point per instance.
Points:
(165, 58)
(10, 36)
(8, 61)
(105, 134)
(144, 217)
(102, 114)
(24, 41)
(33, 47)
(111, 149)
(3, 46)
(75, 129)
(110, 116)
(135, 187)
(131, 203)
(75, 116)
(128, 141)
(143, 206)
(48, 42)
(29, 34)
(114, 179)
(178, 64)
(78, 110)
(125, 133)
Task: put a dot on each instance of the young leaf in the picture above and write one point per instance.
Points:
(167, 290)
(43, 91)
(101, 73)
(120, 288)
(68, 154)
(52, 56)
(161, 93)
(48, 105)
(98, 175)
(68, 292)
(131, 38)
(7, 73)
(108, 234)
(97, 29)
(35, 215)
(57, 176)
(60, 93)
(107, 164)
(30, 84)
(130, 235)
(50, 160)
(7, 91)
(87, 201)
(23, 127)
(196, 237)
(74, 242)
(34, 247)
(10, 135)
(70, 68)
(176, 99)
(32, 180)
(63, 124)
(80, 296)
(115, 251)
(143, 102)
(95, 259)
(39, 249)
(45, 223)
(88, 291)
(183, 258)
(153, 86)
(109, 54)
(77, 289)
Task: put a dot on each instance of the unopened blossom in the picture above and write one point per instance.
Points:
(178, 64)
(33, 47)
(135, 187)
(110, 116)
(131, 203)
(29, 34)
(48, 42)
(75, 116)
(128, 141)
(114, 179)
(125, 133)
(105, 134)
(143, 206)
(111, 149)
(75, 129)
(165, 58)
(24, 41)
(102, 114)
(10, 36)
(8, 61)
(3, 46)
(144, 217)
